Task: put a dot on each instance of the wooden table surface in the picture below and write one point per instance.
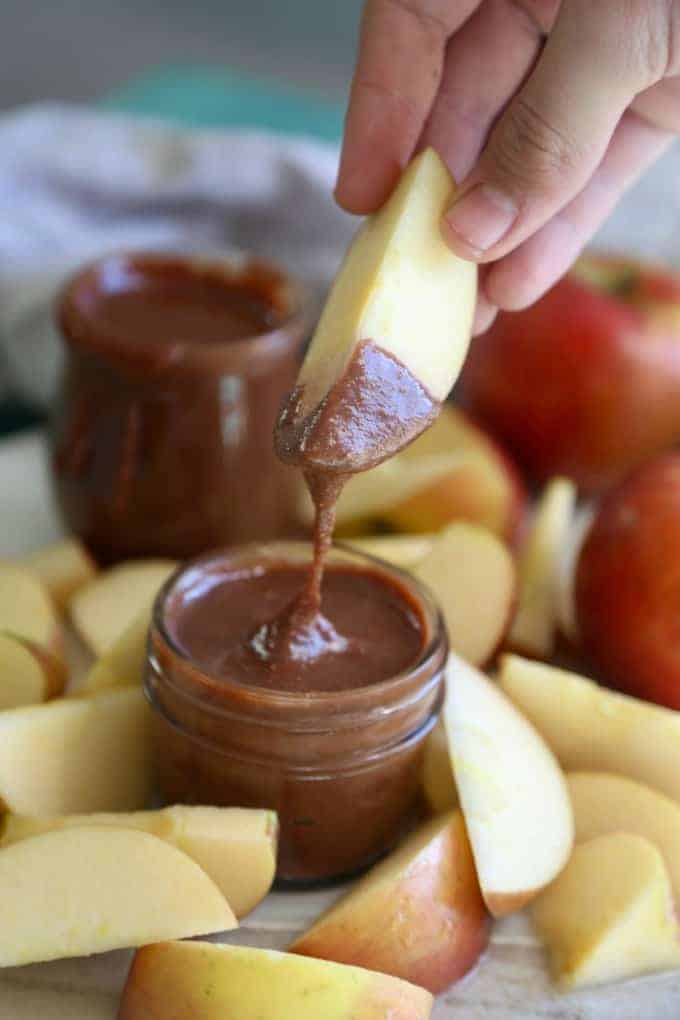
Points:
(510, 982)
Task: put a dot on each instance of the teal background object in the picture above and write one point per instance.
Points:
(221, 97)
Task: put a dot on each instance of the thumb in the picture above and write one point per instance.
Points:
(555, 131)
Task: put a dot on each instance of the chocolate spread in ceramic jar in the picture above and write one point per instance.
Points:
(175, 370)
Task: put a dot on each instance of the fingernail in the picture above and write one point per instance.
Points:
(480, 218)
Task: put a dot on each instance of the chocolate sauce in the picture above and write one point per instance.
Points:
(370, 630)
(374, 409)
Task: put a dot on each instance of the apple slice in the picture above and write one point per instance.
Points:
(417, 915)
(177, 980)
(472, 575)
(63, 567)
(367, 498)
(236, 847)
(484, 486)
(77, 754)
(28, 673)
(512, 791)
(589, 727)
(535, 624)
(399, 550)
(402, 292)
(123, 662)
(604, 803)
(104, 608)
(439, 786)
(566, 601)
(88, 890)
(610, 914)
(26, 608)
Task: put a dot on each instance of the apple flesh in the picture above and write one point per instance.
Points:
(236, 847)
(178, 980)
(612, 327)
(473, 577)
(439, 786)
(103, 609)
(484, 487)
(77, 754)
(123, 663)
(63, 567)
(511, 788)
(610, 914)
(400, 550)
(452, 471)
(591, 728)
(627, 590)
(401, 288)
(87, 890)
(26, 609)
(28, 673)
(534, 626)
(417, 915)
(605, 803)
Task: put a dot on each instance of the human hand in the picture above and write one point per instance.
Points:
(546, 111)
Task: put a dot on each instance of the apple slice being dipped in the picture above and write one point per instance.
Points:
(392, 336)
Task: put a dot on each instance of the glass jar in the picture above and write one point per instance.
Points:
(175, 369)
(342, 769)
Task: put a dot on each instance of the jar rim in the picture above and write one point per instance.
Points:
(355, 699)
(81, 330)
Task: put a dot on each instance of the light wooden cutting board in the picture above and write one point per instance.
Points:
(510, 982)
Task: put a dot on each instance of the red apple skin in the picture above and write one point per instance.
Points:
(585, 383)
(628, 585)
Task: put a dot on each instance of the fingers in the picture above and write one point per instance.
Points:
(554, 133)
(522, 276)
(485, 312)
(400, 63)
(486, 62)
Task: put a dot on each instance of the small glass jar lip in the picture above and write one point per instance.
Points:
(316, 699)
(288, 289)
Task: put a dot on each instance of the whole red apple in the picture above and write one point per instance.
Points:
(586, 382)
(627, 587)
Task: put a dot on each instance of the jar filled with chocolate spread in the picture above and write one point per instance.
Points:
(331, 736)
(175, 371)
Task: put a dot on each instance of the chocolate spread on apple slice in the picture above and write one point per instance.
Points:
(374, 409)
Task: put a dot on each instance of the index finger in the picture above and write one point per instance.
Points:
(399, 68)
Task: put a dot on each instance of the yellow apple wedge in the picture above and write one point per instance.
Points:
(202, 981)
(400, 550)
(123, 662)
(26, 608)
(28, 673)
(604, 803)
(472, 575)
(368, 497)
(534, 625)
(439, 786)
(104, 608)
(401, 288)
(63, 567)
(87, 890)
(589, 727)
(77, 754)
(511, 789)
(566, 608)
(610, 914)
(417, 915)
(483, 486)
(236, 847)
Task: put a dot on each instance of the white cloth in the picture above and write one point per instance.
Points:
(75, 183)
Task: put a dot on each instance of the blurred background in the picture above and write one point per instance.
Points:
(82, 51)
